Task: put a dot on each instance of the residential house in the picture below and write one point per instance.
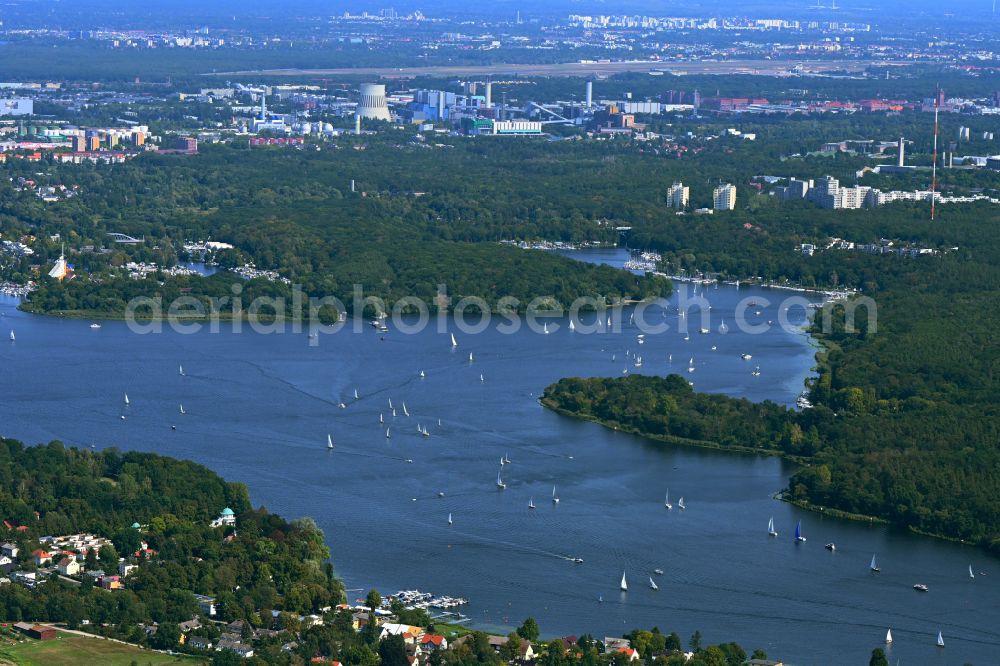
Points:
(41, 557)
(433, 642)
(200, 643)
(206, 604)
(124, 569)
(409, 633)
(238, 647)
(631, 653)
(9, 550)
(68, 566)
(110, 582)
(7, 564)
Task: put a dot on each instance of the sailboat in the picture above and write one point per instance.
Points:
(888, 635)
(393, 412)
(390, 403)
(126, 399)
(940, 640)
(723, 329)
(652, 584)
(545, 328)
(381, 419)
(680, 503)
(500, 484)
(449, 519)
(12, 338)
(531, 503)
(666, 500)
(422, 375)
(454, 342)
(425, 433)
(555, 500)
(502, 463)
(756, 371)
(180, 370)
(506, 458)
(329, 441)
(182, 410)
(971, 575)
(770, 527)
(798, 532)
(470, 357)
(356, 394)
(572, 327)
(481, 378)
(405, 413)
(624, 585)
(874, 566)
(387, 435)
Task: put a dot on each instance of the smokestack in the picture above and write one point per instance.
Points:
(902, 153)
(357, 123)
(489, 94)
(352, 184)
(440, 105)
(590, 94)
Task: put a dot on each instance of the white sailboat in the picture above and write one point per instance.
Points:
(940, 640)
(770, 527)
(572, 326)
(481, 378)
(12, 338)
(680, 503)
(545, 328)
(405, 413)
(500, 484)
(971, 575)
(555, 500)
(381, 419)
(394, 412)
(652, 584)
(422, 375)
(126, 399)
(470, 357)
(454, 342)
(624, 585)
(180, 370)
(387, 435)
(390, 403)
(356, 394)
(506, 458)
(449, 519)
(329, 441)
(531, 503)
(182, 409)
(874, 565)
(888, 635)
(666, 500)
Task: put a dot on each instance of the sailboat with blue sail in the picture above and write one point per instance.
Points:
(798, 532)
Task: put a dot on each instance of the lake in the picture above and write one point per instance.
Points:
(259, 408)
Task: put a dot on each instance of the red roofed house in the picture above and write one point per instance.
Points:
(42, 557)
(631, 653)
(434, 642)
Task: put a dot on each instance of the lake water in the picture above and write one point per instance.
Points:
(260, 407)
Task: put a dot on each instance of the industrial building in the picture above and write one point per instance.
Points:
(371, 102)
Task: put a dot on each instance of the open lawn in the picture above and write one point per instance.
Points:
(70, 650)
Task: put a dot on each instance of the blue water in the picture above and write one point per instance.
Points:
(260, 407)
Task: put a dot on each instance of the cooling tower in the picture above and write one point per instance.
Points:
(371, 102)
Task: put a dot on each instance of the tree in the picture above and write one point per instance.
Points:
(673, 641)
(373, 600)
(759, 653)
(529, 630)
(392, 651)
(878, 658)
(167, 635)
(695, 641)
(90, 560)
(109, 558)
(510, 649)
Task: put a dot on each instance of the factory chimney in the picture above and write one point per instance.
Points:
(590, 94)
(900, 159)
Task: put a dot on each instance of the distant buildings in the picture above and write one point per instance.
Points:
(678, 195)
(724, 197)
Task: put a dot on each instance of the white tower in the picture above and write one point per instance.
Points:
(371, 102)
(489, 94)
(590, 94)
(902, 152)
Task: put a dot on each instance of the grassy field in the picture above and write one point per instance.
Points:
(71, 650)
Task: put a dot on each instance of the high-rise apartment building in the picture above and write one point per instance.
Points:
(677, 195)
(724, 197)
